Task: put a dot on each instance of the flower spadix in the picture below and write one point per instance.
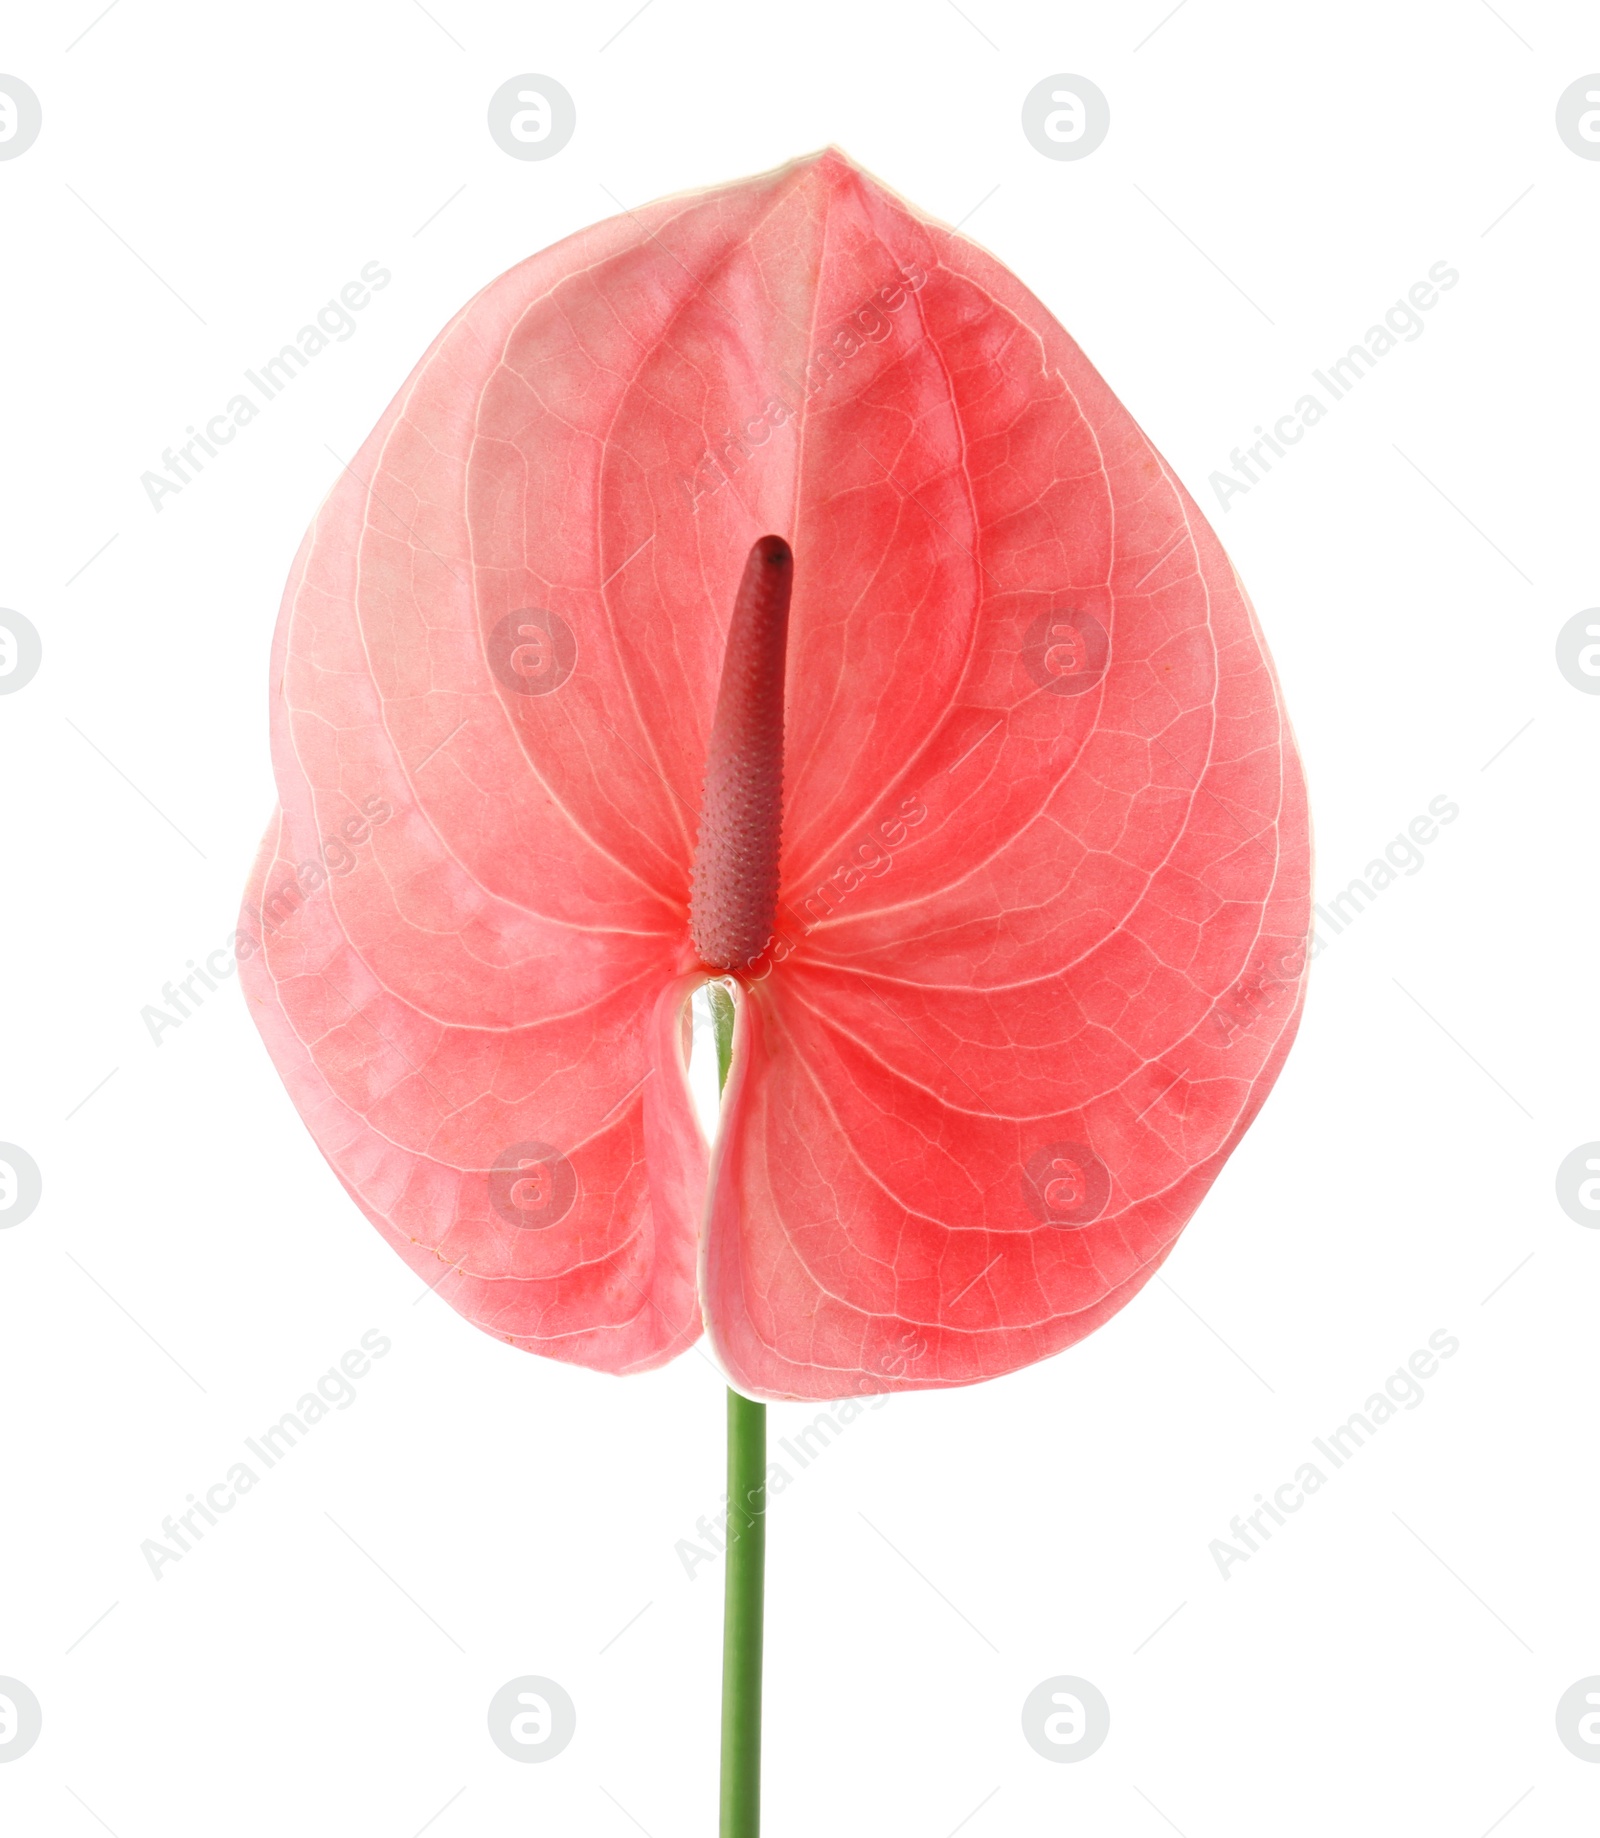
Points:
(762, 584)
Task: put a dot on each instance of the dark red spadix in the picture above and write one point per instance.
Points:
(735, 889)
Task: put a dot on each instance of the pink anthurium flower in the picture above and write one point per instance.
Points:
(762, 585)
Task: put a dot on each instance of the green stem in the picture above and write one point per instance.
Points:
(742, 1618)
(743, 1608)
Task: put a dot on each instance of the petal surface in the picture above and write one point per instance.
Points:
(1046, 877)
(1045, 864)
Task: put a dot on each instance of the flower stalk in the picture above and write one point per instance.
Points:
(744, 1584)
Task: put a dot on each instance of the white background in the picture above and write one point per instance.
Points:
(206, 178)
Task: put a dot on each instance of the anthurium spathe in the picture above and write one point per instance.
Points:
(1032, 950)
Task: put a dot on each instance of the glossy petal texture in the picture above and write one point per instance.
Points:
(1045, 864)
